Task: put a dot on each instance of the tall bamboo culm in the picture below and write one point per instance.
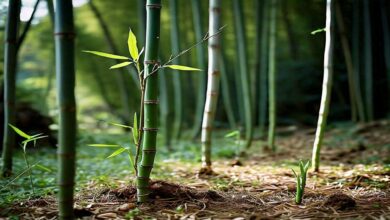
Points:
(177, 77)
(212, 84)
(357, 110)
(263, 67)
(10, 65)
(368, 83)
(201, 60)
(326, 87)
(65, 70)
(386, 41)
(272, 77)
(239, 24)
(153, 11)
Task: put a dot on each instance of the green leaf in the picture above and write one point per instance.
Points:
(119, 125)
(131, 159)
(41, 167)
(232, 134)
(104, 145)
(20, 132)
(119, 65)
(318, 31)
(117, 152)
(184, 68)
(107, 55)
(135, 129)
(295, 174)
(132, 44)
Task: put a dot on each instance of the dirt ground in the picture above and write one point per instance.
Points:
(255, 188)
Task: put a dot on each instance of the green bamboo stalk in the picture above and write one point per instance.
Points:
(50, 8)
(177, 78)
(293, 45)
(326, 87)
(201, 61)
(386, 40)
(226, 96)
(65, 69)
(153, 11)
(263, 68)
(368, 61)
(165, 110)
(356, 59)
(356, 104)
(243, 67)
(27, 26)
(141, 21)
(212, 83)
(272, 77)
(10, 65)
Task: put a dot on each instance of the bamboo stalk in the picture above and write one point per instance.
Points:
(212, 83)
(243, 67)
(355, 99)
(326, 87)
(10, 65)
(153, 10)
(263, 68)
(272, 77)
(201, 61)
(65, 69)
(356, 59)
(177, 77)
(368, 61)
(141, 20)
(27, 26)
(386, 40)
(226, 95)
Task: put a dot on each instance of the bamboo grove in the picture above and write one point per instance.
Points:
(244, 84)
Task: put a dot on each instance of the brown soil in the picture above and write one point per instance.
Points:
(254, 189)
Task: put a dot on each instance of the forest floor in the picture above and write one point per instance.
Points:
(354, 182)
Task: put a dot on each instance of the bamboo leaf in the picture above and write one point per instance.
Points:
(107, 55)
(318, 31)
(41, 167)
(295, 174)
(135, 129)
(117, 152)
(183, 68)
(132, 44)
(119, 125)
(119, 65)
(20, 132)
(104, 145)
(232, 134)
(131, 159)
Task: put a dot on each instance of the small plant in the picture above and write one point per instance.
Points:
(236, 134)
(27, 139)
(301, 180)
(143, 168)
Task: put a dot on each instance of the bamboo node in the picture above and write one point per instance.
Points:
(215, 9)
(149, 167)
(155, 102)
(152, 62)
(66, 155)
(149, 151)
(150, 129)
(216, 73)
(157, 6)
(214, 46)
(70, 35)
(207, 128)
(213, 93)
(66, 184)
(143, 178)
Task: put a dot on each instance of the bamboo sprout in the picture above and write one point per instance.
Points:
(272, 77)
(153, 11)
(243, 67)
(326, 87)
(201, 60)
(65, 69)
(212, 84)
(10, 65)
